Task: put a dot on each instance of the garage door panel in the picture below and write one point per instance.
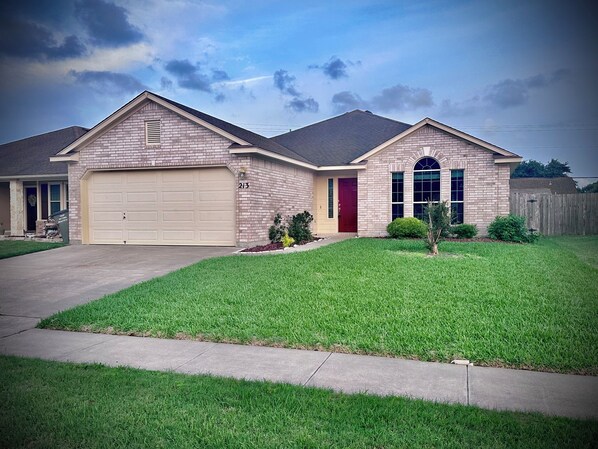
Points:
(111, 216)
(142, 176)
(109, 236)
(178, 216)
(225, 216)
(163, 207)
(179, 236)
(177, 197)
(145, 216)
(142, 197)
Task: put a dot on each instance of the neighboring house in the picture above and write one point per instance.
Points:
(563, 184)
(32, 187)
(160, 173)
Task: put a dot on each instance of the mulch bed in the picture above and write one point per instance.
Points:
(273, 246)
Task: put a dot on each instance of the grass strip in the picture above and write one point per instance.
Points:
(12, 248)
(523, 306)
(59, 405)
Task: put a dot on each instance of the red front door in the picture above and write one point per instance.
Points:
(347, 205)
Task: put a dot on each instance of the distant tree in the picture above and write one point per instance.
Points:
(556, 169)
(590, 188)
(535, 169)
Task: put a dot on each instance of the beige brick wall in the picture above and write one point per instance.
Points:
(486, 192)
(272, 186)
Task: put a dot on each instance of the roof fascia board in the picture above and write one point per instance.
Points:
(73, 157)
(508, 160)
(383, 145)
(106, 123)
(448, 129)
(340, 167)
(470, 138)
(256, 150)
(131, 107)
(197, 120)
(34, 177)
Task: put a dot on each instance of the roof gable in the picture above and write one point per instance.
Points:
(31, 156)
(460, 134)
(238, 136)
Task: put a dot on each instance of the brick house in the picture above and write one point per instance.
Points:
(32, 187)
(158, 172)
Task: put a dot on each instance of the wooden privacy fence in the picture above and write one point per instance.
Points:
(550, 214)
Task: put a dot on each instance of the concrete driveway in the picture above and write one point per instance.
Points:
(37, 285)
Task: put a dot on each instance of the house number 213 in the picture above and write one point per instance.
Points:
(243, 185)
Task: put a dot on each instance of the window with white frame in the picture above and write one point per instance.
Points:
(457, 198)
(426, 185)
(397, 195)
(54, 198)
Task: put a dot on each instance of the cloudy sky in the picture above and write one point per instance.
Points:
(520, 74)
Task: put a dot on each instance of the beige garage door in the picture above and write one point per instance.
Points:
(162, 207)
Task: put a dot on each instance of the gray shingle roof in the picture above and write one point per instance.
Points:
(339, 140)
(563, 184)
(244, 134)
(31, 156)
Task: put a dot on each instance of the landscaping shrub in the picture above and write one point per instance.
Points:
(464, 231)
(409, 227)
(437, 217)
(277, 230)
(299, 227)
(287, 241)
(511, 229)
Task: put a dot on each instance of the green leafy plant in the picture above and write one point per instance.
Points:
(409, 227)
(511, 228)
(299, 227)
(277, 230)
(464, 231)
(287, 240)
(438, 221)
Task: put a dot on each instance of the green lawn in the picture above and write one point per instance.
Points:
(532, 306)
(11, 248)
(58, 405)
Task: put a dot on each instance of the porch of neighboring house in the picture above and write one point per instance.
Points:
(26, 204)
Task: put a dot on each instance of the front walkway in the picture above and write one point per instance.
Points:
(491, 388)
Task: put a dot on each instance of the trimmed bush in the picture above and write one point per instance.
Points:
(299, 227)
(277, 230)
(511, 229)
(409, 227)
(464, 231)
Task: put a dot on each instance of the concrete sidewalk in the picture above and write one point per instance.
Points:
(491, 388)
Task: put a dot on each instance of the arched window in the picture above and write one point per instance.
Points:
(426, 184)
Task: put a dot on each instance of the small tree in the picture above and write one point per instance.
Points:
(438, 219)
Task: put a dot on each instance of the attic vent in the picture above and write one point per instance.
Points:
(152, 132)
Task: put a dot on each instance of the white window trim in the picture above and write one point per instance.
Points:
(392, 203)
(60, 196)
(462, 201)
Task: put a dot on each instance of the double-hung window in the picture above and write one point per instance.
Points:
(398, 194)
(426, 185)
(457, 196)
(54, 198)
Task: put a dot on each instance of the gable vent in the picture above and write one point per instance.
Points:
(152, 132)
